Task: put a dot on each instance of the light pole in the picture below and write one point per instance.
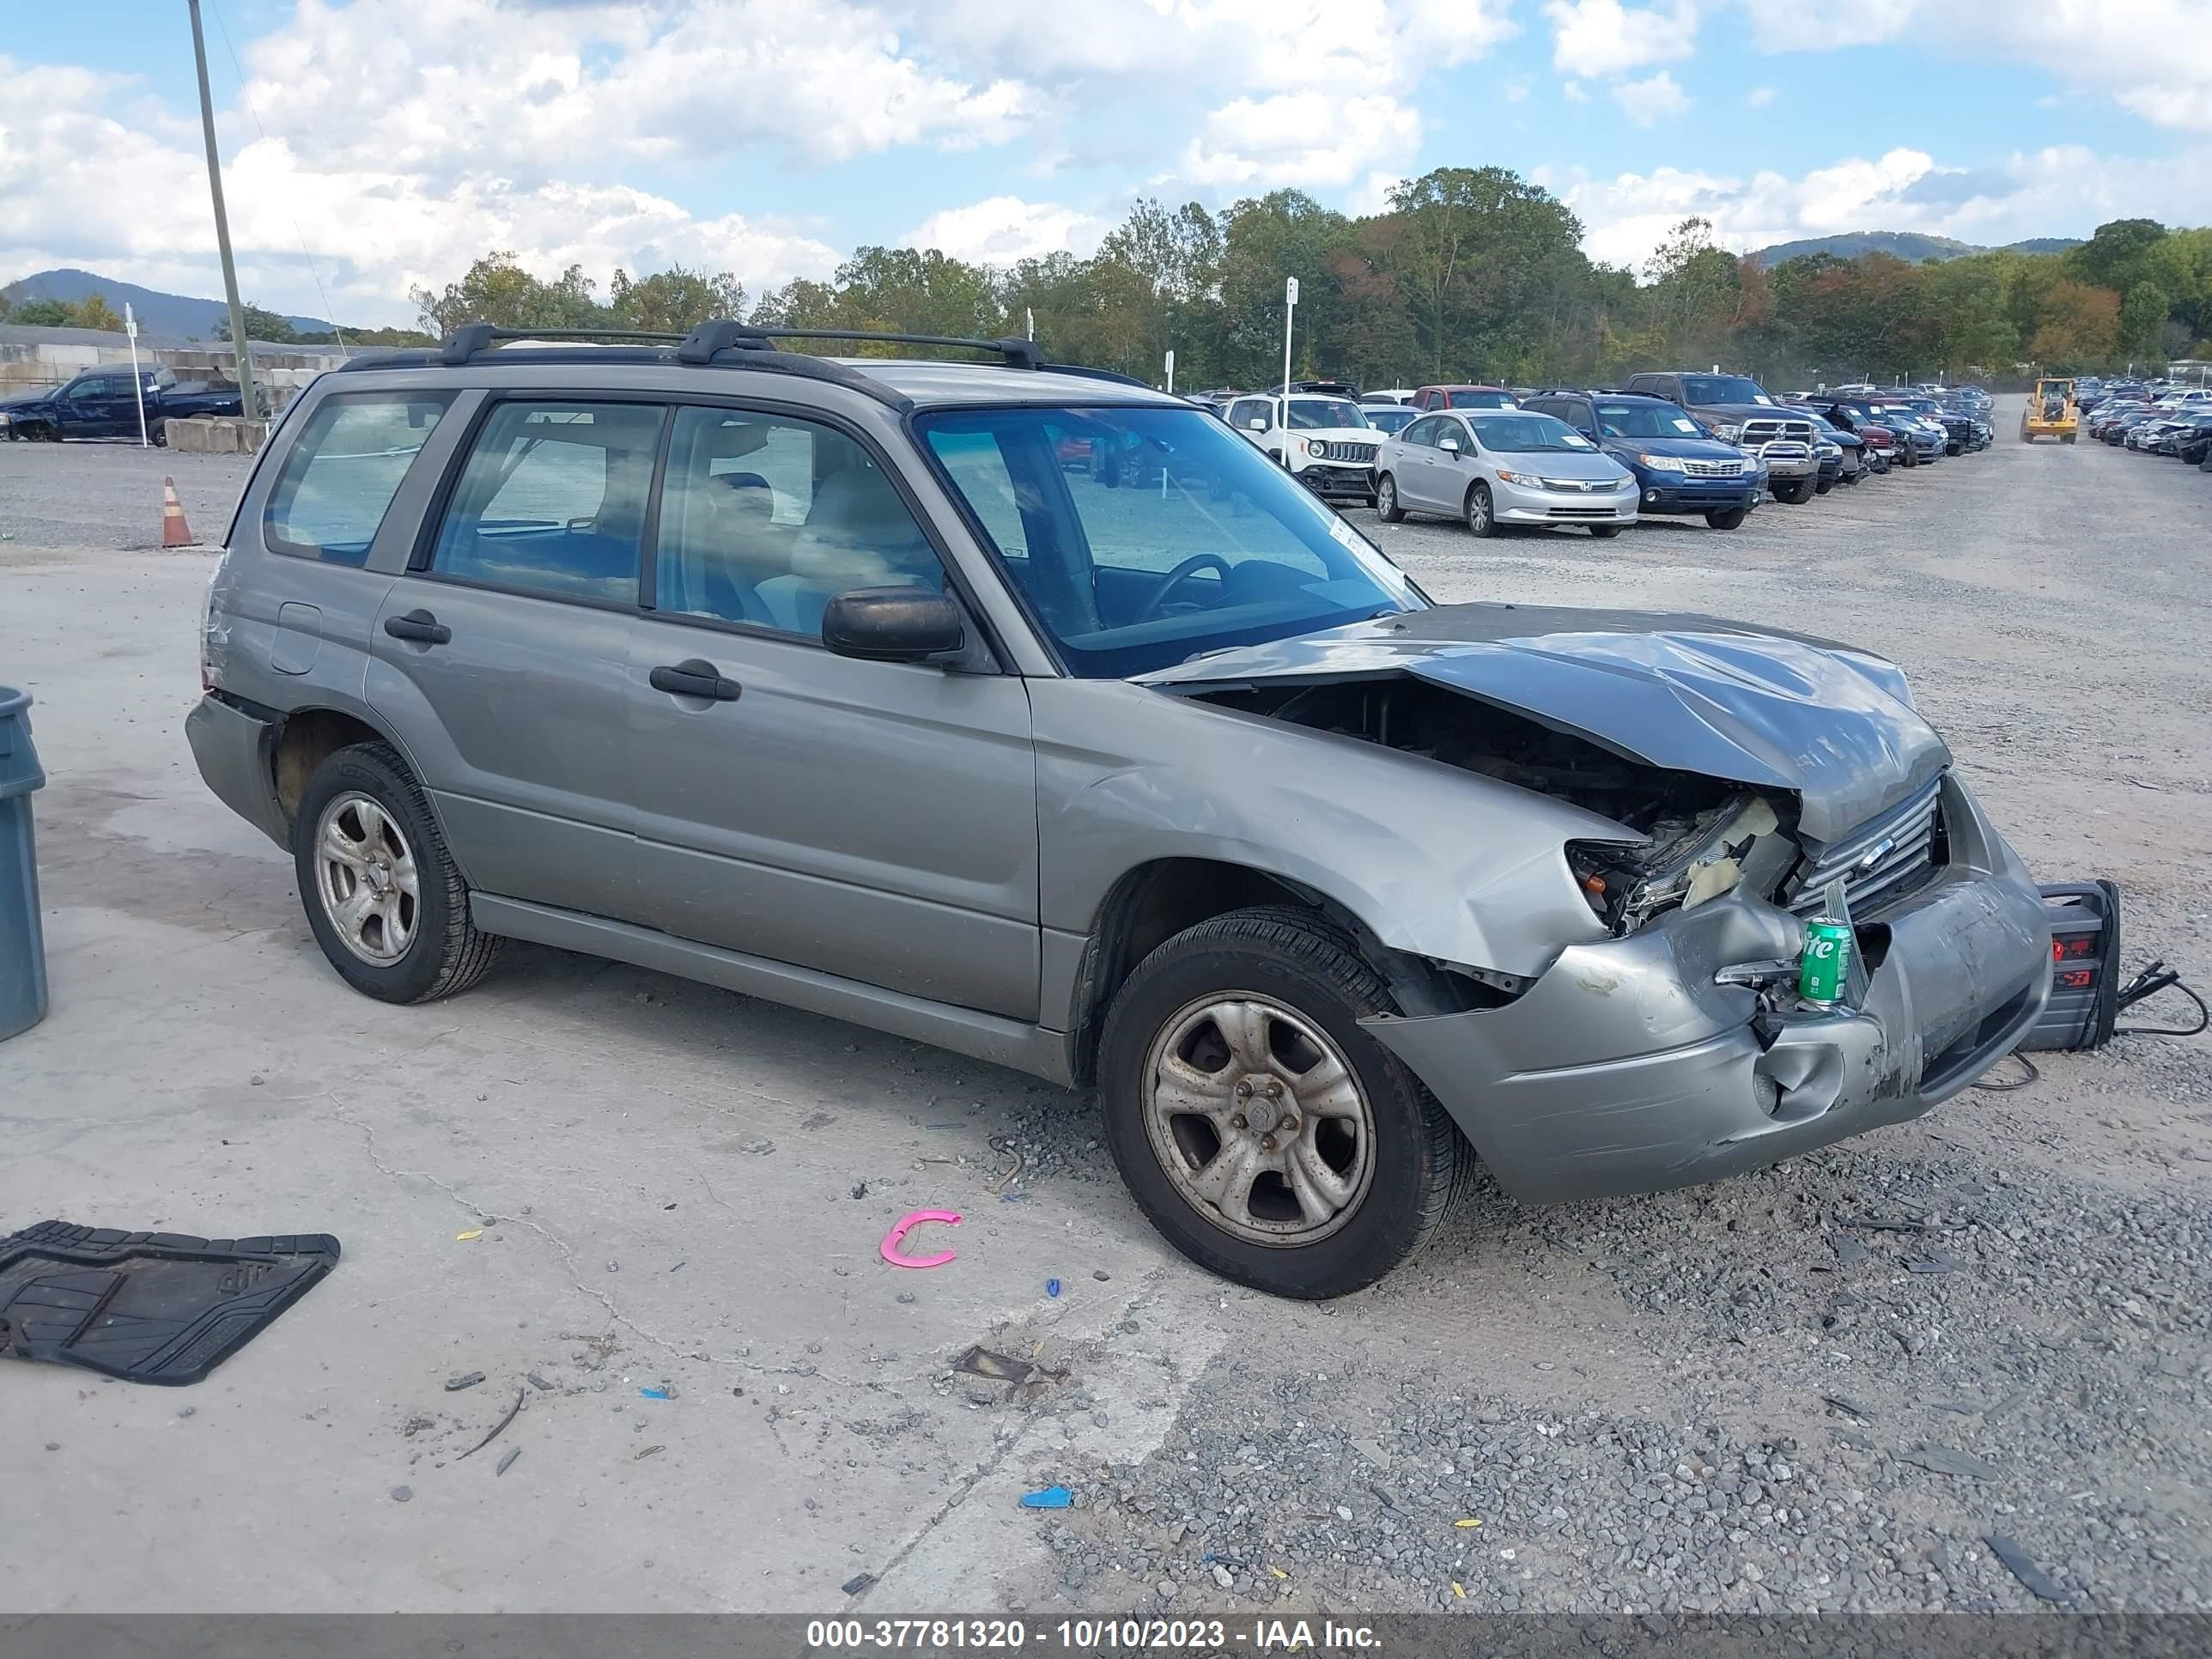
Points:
(1290, 311)
(248, 404)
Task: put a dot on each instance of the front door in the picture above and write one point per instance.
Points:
(501, 664)
(876, 821)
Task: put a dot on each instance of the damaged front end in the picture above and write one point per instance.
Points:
(1671, 1047)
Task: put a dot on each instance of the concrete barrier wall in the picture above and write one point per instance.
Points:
(215, 435)
(29, 364)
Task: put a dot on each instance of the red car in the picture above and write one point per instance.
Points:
(1464, 396)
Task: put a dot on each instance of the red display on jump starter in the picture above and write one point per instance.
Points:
(2077, 979)
(2063, 948)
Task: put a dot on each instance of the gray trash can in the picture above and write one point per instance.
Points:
(22, 946)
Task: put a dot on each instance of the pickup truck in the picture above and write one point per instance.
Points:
(99, 404)
(1739, 410)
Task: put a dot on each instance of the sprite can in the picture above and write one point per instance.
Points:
(1826, 962)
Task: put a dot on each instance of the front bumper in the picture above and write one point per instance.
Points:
(236, 753)
(1522, 504)
(1671, 492)
(1332, 480)
(1627, 1069)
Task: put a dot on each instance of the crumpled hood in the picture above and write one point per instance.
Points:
(1834, 725)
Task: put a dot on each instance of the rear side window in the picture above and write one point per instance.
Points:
(340, 476)
(551, 501)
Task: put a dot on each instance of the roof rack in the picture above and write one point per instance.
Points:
(705, 345)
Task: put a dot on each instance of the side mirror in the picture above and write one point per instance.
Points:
(1450, 446)
(892, 625)
(1255, 426)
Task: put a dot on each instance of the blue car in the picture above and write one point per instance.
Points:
(1679, 469)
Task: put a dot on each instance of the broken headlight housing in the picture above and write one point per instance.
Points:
(1687, 862)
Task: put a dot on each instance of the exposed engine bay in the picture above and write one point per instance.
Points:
(1707, 836)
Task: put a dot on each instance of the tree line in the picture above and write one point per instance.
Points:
(1469, 273)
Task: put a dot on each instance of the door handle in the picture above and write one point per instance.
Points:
(419, 625)
(694, 677)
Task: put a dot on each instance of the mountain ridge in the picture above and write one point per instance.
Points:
(158, 312)
(1911, 245)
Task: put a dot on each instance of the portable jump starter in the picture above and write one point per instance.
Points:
(2086, 992)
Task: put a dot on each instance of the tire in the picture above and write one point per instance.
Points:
(1727, 518)
(1386, 500)
(1821, 487)
(1481, 517)
(1404, 1161)
(1794, 492)
(1606, 533)
(2065, 437)
(157, 434)
(434, 950)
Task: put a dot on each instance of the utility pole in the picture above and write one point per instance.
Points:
(248, 404)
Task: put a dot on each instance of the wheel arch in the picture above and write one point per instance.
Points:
(1152, 902)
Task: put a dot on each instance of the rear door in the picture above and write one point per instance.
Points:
(873, 820)
(501, 654)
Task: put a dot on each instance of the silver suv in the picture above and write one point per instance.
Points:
(833, 683)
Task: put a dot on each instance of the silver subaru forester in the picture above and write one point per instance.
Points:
(839, 684)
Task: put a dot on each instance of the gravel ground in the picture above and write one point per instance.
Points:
(1828, 1385)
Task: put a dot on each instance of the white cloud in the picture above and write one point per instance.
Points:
(1760, 97)
(1308, 140)
(1573, 93)
(2153, 57)
(1005, 229)
(1604, 37)
(1648, 101)
(2059, 190)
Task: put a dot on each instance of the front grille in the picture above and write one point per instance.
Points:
(1579, 486)
(1355, 454)
(1580, 512)
(1768, 431)
(1880, 861)
(1713, 469)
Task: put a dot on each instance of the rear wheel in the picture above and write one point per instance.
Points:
(1481, 518)
(1259, 1127)
(1727, 518)
(384, 898)
(1386, 500)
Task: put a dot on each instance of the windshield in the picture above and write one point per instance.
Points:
(1702, 389)
(1528, 435)
(1180, 536)
(1316, 413)
(1481, 400)
(1647, 420)
(1390, 420)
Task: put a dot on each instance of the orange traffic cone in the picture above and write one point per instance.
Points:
(176, 532)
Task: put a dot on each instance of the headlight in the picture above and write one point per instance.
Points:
(1728, 431)
(1504, 477)
(1662, 463)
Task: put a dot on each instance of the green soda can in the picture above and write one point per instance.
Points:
(1826, 961)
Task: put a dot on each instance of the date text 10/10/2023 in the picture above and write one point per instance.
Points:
(1089, 1636)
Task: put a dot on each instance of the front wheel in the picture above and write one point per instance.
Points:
(2065, 437)
(1481, 517)
(1727, 518)
(1259, 1127)
(1824, 486)
(1794, 492)
(384, 896)
(1606, 533)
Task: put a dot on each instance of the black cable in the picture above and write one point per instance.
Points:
(2148, 983)
(2017, 1082)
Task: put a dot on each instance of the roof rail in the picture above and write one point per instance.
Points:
(470, 338)
(722, 334)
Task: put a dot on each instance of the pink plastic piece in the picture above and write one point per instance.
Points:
(898, 1258)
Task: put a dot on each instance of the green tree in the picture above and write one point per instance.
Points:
(2115, 253)
(497, 291)
(2142, 323)
(93, 312)
(2075, 325)
(43, 313)
(1265, 239)
(674, 299)
(265, 326)
(1695, 290)
(1475, 247)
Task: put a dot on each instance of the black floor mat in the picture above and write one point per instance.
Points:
(148, 1307)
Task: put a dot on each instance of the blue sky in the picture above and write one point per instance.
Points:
(392, 140)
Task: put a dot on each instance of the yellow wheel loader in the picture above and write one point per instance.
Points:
(2051, 413)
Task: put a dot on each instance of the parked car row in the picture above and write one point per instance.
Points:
(2181, 428)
